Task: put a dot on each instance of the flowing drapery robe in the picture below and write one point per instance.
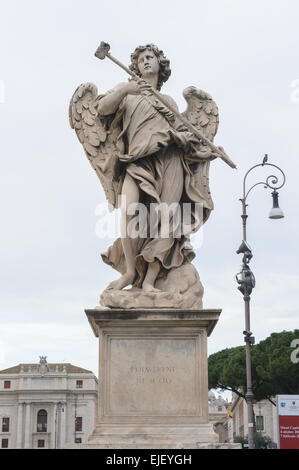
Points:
(155, 157)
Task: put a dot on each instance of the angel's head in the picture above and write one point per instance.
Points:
(158, 62)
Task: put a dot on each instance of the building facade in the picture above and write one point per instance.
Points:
(52, 405)
(218, 415)
(46, 405)
(265, 418)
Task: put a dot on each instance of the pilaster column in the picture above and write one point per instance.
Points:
(20, 426)
(53, 427)
(62, 429)
(27, 437)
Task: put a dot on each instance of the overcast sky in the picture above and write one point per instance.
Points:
(245, 54)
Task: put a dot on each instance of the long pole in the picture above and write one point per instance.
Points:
(249, 393)
(244, 219)
(247, 337)
(247, 288)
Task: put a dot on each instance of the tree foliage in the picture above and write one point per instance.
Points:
(273, 372)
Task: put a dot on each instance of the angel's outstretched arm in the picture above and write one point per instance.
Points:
(109, 103)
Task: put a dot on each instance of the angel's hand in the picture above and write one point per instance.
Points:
(131, 88)
(137, 87)
(217, 154)
(204, 153)
(144, 87)
(185, 140)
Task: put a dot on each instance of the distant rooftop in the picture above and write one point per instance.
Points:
(61, 367)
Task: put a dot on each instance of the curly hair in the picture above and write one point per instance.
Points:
(164, 70)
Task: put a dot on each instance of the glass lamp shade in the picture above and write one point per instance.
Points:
(275, 212)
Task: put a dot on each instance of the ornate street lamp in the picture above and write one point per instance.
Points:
(246, 279)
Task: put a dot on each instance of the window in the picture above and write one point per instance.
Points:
(78, 440)
(219, 408)
(6, 383)
(40, 443)
(42, 418)
(79, 384)
(259, 423)
(4, 443)
(5, 424)
(78, 424)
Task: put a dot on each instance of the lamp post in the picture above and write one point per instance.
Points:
(246, 278)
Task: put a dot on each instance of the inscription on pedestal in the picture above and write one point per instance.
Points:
(151, 376)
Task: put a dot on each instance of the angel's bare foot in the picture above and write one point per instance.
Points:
(124, 281)
(151, 276)
(147, 287)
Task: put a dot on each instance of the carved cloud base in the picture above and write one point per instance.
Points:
(153, 378)
(180, 289)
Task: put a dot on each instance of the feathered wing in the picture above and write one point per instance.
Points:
(98, 137)
(203, 113)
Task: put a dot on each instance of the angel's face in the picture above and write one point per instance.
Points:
(148, 63)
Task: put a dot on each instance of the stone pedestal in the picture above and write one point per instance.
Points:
(153, 378)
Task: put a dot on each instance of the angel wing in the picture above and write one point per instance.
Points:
(203, 113)
(98, 137)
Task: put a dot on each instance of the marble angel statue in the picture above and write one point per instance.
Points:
(143, 154)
